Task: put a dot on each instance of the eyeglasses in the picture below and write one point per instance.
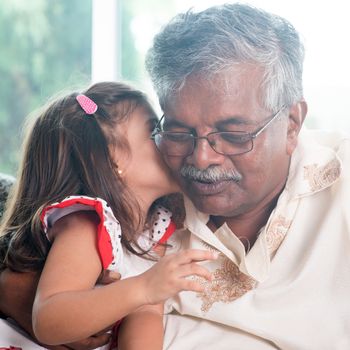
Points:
(231, 143)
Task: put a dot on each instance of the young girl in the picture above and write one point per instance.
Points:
(88, 182)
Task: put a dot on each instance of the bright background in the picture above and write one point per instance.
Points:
(47, 46)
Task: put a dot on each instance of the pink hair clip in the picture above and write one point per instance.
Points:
(87, 104)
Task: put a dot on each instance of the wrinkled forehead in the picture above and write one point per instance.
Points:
(235, 92)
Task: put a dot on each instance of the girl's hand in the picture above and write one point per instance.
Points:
(168, 276)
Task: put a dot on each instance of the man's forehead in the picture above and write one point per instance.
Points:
(214, 120)
(234, 93)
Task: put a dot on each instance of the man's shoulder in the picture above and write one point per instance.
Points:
(334, 148)
(333, 139)
(324, 146)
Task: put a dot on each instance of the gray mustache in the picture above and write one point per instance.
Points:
(211, 174)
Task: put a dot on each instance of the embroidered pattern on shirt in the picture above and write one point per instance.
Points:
(227, 285)
(276, 233)
(321, 176)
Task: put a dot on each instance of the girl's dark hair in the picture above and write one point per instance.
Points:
(67, 152)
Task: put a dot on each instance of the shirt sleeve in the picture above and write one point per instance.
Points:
(161, 230)
(108, 230)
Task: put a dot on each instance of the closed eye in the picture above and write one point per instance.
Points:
(235, 137)
(177, 136)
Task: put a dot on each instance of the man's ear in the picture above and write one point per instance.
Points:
(297, 114)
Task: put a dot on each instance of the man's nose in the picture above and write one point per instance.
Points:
(204, 155)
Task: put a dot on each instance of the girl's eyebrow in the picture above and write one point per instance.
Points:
(151, 122)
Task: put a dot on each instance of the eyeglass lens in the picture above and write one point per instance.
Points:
(182, 144)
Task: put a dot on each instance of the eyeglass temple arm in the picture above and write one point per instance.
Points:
(257, 133)
(157, 128)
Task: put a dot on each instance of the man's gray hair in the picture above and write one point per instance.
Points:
(214, 40)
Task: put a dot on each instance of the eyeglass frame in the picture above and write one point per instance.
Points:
(252, 135)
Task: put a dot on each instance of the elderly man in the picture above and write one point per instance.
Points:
(269, 198)
(271, 202)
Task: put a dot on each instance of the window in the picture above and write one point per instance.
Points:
(50, 46)
(45, 47)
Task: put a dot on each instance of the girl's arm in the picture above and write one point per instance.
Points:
(17, 291)
(142, 329)
(67, 307)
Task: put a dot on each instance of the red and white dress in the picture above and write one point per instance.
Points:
(109, 232)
